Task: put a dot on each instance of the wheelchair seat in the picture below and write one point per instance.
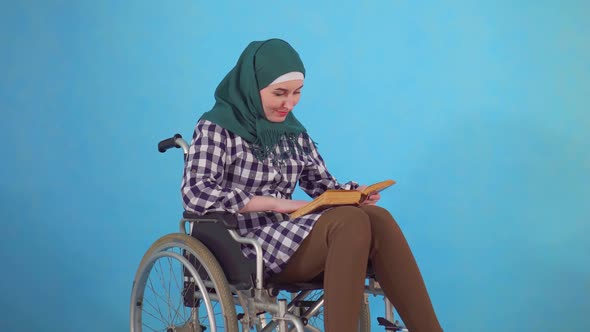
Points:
(211, 230)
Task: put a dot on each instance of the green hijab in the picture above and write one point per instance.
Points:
(238, 107)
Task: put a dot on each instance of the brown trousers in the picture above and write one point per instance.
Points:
(340, 245)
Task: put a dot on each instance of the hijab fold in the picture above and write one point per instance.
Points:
(238, 107)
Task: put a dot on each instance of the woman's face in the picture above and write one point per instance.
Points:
(279, 99)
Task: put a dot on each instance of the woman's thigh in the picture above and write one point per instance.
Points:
(347, 223)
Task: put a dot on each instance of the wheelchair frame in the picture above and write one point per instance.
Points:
(255, 297)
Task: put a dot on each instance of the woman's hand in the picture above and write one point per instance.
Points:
(372, 199)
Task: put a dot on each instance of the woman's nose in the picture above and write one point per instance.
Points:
(289, 104)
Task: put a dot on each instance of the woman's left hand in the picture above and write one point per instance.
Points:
(372, 199)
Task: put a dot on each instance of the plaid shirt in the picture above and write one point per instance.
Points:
(222, 175)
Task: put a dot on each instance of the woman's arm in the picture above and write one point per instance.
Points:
(268, 203)
(205, 171)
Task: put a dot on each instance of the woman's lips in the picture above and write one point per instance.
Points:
(283, 113)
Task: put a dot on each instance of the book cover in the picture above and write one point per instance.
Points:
(335, 197)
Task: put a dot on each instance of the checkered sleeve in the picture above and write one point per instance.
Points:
(315, 178)
(202, 191)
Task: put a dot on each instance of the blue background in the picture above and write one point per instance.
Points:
(478, 109)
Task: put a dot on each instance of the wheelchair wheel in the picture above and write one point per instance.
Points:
(317, 320)
(180, 287)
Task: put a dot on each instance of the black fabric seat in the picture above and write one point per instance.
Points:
(211, 230)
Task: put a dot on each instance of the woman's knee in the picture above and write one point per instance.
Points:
(351, 222)
(374, 210)
(379, 217)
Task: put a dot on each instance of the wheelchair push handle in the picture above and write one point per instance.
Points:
(175, 141)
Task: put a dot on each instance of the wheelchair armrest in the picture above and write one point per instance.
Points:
(226, 219)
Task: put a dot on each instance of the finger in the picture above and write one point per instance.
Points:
(374, 199)
(371, 201)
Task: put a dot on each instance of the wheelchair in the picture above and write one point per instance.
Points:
(198, 280)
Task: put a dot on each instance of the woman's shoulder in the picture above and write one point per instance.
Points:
(212, 129)
(208, 127)
(304, 137)
(306, 142)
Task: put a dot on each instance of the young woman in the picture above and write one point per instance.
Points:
(247, 155)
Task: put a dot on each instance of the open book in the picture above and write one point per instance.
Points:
(336, 197)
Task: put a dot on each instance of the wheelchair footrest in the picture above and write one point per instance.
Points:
(390, 326)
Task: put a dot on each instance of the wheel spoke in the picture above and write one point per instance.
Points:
(182, 293)
(180, 302)
(165, 290)
(151, 286)
(154, 330)
(166, 300)
(151, 328)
